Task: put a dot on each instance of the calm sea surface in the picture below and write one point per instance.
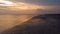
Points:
(9, 21)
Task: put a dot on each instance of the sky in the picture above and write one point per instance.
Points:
(29, 6)
(25, 7)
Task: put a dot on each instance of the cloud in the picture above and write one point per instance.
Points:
(30, 7)
(43, 2)
(17, 7)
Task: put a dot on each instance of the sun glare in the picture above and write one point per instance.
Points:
(17, 6)
(6, 3)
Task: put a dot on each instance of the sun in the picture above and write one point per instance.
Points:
(6, 3)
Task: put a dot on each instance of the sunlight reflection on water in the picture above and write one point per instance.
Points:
(8, 21)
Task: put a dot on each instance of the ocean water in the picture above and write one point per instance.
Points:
(9, 21)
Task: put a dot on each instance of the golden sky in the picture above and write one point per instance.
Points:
(13, 6)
